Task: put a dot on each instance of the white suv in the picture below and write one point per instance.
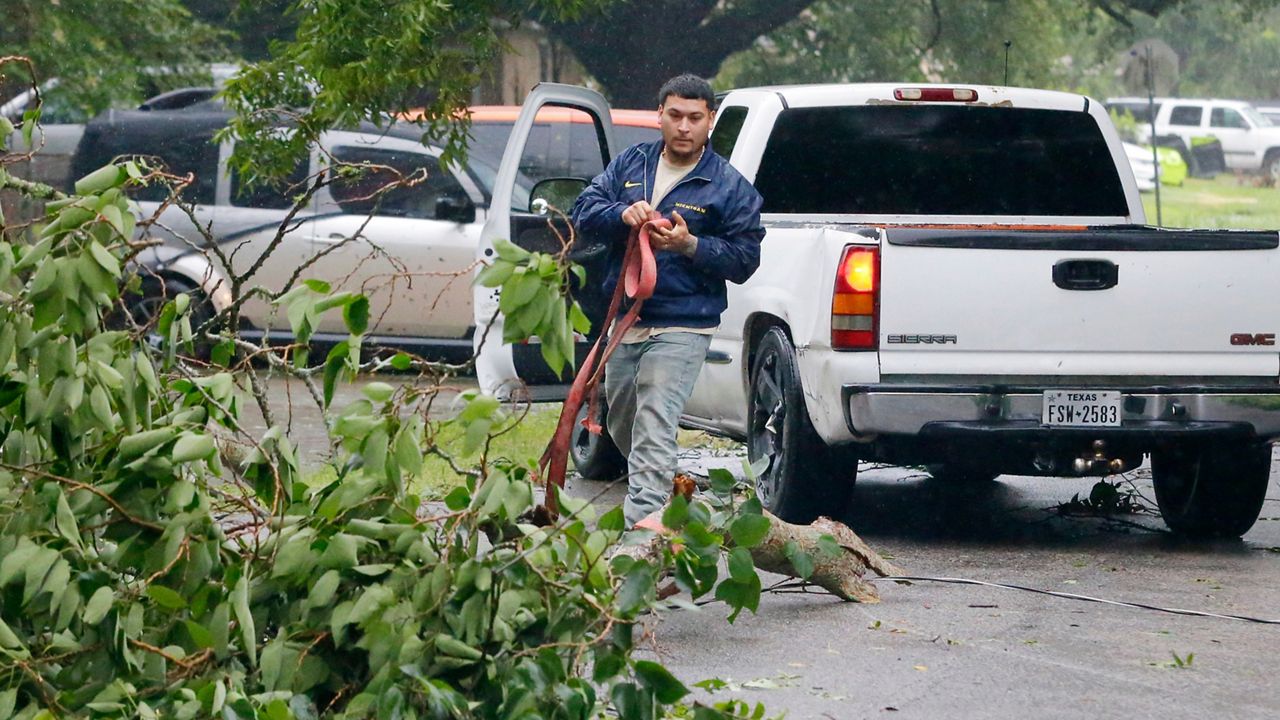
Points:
(1249, 141)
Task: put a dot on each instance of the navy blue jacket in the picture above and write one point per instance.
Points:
(721, 208)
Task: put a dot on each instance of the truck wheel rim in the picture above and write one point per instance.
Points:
(767, 422)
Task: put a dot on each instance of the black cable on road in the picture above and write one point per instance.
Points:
(1083, 598)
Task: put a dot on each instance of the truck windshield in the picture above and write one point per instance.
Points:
(939, 160)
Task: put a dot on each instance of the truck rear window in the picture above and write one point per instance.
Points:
(939, 160)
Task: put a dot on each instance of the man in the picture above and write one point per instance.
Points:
(715, 236)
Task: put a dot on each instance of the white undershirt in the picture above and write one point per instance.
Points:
(667, 176)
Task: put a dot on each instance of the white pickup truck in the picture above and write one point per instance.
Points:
(962, 278)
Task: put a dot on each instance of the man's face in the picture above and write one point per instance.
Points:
(686, 124)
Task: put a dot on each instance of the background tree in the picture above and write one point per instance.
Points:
(631, 47)
(107, 50)
(1224, 49)
(1053, 43)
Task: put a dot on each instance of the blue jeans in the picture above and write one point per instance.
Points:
(647, 384)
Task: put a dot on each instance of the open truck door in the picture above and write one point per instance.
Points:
(516, 371)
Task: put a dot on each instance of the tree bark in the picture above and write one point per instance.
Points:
(841, 575)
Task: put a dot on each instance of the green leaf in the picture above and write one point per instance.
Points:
(166, 598)
(677, 513)
(356, 315)
(495, 274)
(475, 435)
(191, 446)
(510, 252)
(479, 406)
(100, 180)
(739, 594)
(199, 635)
(614, 520)
(722, 482)
(240, 606)
(401, 361)
(629, 703)
(98, 606)
(10, 641)
(800, 560)
(741, 566)
(36, 571)
(220, 629)
(578, 319)
(324, 589)
(657, 678)
(341, 553)
(222, 353)
(65, 520)
(334, 362)
(318, 286)
(457, 499)
(378, 392)
(749, 530)
(828, 547)
(637, 589)
(104, 258)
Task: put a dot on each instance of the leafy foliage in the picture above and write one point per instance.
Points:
(94, 48)
(147, 571)
(356, 61)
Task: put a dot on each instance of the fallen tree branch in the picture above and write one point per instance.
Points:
(842, 574)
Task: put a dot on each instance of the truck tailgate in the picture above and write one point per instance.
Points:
(1112, 304)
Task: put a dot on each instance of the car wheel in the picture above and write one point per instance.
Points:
(1271, 166)
(595, 456)
(960, 474)
(1216, 491)
(800, 481)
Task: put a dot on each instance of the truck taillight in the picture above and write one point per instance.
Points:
(856, 300)
(936, 94)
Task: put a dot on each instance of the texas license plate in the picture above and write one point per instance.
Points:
(1082, 408)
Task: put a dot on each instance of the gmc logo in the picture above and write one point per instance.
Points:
(1253, 339)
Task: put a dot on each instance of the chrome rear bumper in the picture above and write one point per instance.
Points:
(916, 409)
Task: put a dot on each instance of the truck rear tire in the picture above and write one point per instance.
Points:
(803, 479)
(595, 457)
(1215, 491)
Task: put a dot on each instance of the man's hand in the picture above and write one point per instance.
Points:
(638, 214)
(677, 238)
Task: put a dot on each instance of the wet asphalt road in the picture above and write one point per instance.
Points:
(934, 650)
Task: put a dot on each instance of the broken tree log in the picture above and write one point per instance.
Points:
(842, 574)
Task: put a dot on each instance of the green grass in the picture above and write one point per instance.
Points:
(1223, 202)
(521, 441)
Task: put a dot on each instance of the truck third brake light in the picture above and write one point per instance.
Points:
(855, 302)
(936, 94)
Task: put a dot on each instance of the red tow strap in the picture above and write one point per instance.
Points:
(638, 278)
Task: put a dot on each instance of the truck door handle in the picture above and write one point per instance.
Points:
(1086, 274)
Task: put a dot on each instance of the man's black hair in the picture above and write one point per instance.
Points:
(689, 87)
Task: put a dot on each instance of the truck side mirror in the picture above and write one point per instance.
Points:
(455, 208)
